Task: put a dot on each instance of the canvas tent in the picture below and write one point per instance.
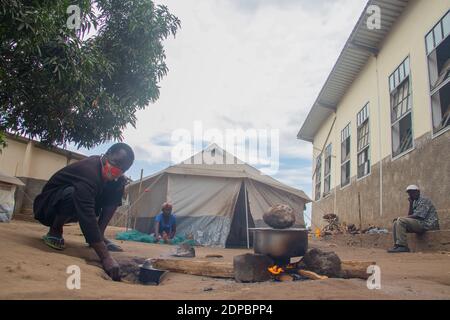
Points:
(215, 203)
(8, 186)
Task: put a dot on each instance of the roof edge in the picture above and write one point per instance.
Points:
(40, 145)
(365, 48)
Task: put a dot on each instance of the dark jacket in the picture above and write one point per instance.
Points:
(86, 178)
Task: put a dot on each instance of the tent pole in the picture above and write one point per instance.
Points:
(246, 216)
(127, 215)
(139, 194)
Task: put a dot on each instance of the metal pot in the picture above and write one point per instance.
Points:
(150, 276)
(280, 243)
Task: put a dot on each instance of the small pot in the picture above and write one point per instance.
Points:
(280, 244)
(150, 276)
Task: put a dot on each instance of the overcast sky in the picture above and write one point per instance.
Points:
(244, 64)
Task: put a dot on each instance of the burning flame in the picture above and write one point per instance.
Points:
(275, 270)
(317, 233)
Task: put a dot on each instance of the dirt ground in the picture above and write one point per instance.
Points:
(31, 270)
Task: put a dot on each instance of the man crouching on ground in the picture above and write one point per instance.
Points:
(82, 191)
(422, 217)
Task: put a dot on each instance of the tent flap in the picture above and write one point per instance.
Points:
(206, 230)
(261, 197)
(194, 196)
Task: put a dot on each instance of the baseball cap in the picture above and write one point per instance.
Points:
(412, 187)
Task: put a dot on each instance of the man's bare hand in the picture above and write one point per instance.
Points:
(112, 268)
(110, 265)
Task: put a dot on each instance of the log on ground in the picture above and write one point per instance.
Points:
(311, 275)
(355, 269)
(198, 267)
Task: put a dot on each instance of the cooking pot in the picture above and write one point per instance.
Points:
(280, 243)
(149, 275)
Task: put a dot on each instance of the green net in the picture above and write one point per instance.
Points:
(134, 235)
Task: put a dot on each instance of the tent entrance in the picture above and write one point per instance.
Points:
(237, 238)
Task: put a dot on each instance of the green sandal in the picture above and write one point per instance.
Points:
(54, 242)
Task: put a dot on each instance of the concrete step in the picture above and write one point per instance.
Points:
(28, 211)
(431, 241)
(24, 216)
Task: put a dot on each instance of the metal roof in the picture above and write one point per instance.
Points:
(38, 144)
(361, 44)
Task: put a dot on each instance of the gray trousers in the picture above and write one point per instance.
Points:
(405, 225)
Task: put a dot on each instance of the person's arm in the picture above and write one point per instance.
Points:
(84, 203)
(410, 210)
(105, 218)
(111, 202)
(421, 210)
(174, 231)
(110, 265)
(157, 236)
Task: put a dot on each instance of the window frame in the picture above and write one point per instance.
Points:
(346, 132)
(436, 90)
(363, 118)
(328, 157)
(406, 64)
(318, 178)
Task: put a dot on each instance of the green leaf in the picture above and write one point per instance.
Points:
(62, 74)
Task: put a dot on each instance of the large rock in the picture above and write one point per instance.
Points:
(280, 217)
(323, 263)
(252, 267)
(184, 250)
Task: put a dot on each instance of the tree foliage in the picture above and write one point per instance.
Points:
(82, 86)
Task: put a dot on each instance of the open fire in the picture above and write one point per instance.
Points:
(275, 270)
(288, 272)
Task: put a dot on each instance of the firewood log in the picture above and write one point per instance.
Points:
(209, 268)
(355, 269)
(311, 275)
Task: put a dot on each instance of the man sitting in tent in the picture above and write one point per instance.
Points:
(165, 224)
(82, 191)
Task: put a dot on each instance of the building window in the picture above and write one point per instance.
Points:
(345, 156)
(318, 173)
(327, 171)
(401, 103)
(438, 54)
(363, 146)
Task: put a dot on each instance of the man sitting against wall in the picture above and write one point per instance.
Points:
(421, 217)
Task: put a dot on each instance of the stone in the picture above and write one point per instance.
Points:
(280, 217)
(184, 250)
(323, 263)
(252, 267)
